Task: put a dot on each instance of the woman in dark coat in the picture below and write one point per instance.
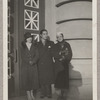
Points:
(29, 73)
(45, 64)
(62, 55)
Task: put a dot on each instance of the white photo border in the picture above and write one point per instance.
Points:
(5, 57)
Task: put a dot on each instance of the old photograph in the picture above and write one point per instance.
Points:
(50, 49)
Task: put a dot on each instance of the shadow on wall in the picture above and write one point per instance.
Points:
(74, 74)
(75, 83)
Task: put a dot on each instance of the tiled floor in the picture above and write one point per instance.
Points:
(79, 90)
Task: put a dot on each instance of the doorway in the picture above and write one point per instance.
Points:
(23, 16)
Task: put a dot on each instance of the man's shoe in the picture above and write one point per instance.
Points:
(49, 96)
(42, 96)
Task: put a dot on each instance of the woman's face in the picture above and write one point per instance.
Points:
(29, 40)
(60, 38)
(44, 35)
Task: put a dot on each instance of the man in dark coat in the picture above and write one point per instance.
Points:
(45, 64)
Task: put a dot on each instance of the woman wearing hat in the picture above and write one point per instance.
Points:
(29, 73)
(62, 55)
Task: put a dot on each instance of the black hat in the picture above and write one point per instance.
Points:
(27, 35)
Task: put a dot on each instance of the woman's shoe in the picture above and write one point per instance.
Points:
(29, 95)
(32, 95)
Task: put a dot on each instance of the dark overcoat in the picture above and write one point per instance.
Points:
(62, 66)
(45, 63)
(29, 73)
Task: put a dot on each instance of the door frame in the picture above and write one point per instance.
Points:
(16, 49)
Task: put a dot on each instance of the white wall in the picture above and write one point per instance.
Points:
(73, 29)
(50, 18)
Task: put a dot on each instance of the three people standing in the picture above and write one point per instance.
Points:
(45, 64)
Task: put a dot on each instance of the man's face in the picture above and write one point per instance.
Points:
(60, 38)
(44, 35)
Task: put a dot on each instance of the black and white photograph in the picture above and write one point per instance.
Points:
(50, 49)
